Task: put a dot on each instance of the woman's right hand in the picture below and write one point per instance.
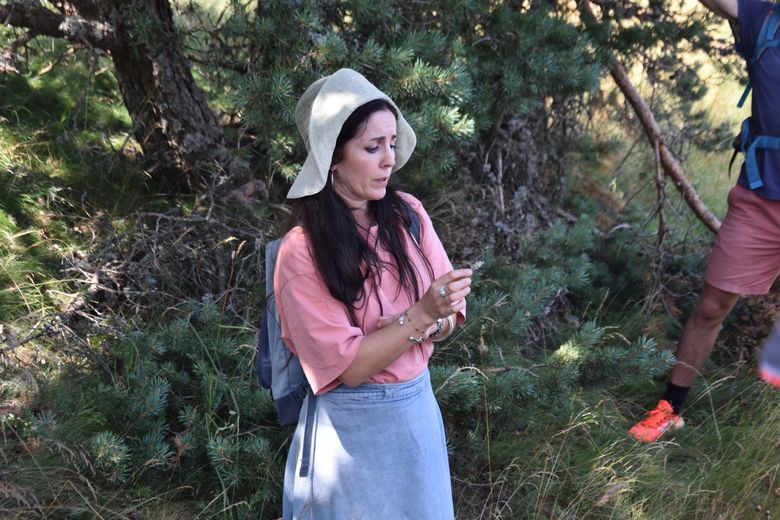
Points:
(446, 295)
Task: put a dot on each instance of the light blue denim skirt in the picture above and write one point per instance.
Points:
(376, 452)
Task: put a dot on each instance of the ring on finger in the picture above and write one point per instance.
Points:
(442, 292)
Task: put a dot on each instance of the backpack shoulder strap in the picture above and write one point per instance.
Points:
(414, 220)
(765, 40)
(766, 34)
(269, 327)
(414, 227)
(271, 252)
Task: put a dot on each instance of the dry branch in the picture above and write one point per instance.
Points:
(32, 15)
(212, 251)
(670, 164)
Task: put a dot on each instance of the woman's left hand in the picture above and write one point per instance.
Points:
(446, 295)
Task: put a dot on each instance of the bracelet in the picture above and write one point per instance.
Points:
(451, 322)
(439, 326)
(402, 318)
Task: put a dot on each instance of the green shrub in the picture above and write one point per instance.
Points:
(177, 408)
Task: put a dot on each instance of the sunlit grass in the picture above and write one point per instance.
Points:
(723, 464)
(709, 170)
(629, 170)
(66, 161)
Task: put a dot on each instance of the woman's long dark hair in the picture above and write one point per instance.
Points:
(343, 256)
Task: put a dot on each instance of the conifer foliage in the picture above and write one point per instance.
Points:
(523, 357)
(177, 409)
(458, 70)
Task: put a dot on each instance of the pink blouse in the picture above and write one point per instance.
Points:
(317, 327)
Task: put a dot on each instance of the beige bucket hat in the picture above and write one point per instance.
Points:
(319, 116)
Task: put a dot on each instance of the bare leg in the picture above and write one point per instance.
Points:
(700, 332)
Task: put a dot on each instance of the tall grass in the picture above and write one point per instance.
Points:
(724, 464)
(707, 169)
(61, 172)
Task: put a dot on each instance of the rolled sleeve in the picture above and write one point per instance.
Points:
(315, 326)
(317, 329)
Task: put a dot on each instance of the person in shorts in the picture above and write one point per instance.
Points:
(745, 258)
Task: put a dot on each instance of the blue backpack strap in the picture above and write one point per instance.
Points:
(308, 430)
(766, 36)
(764, 41)
(263, 364)
(414, 227)
(751, 165)
(741, 142)
(745, 93)
(414, 221)
(748, 144)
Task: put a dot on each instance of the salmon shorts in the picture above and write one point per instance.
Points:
(745, 257)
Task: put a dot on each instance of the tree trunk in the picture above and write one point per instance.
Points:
(671, 165)
(177, 131)
(172, 120)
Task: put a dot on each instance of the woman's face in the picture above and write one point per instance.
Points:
(367, 161)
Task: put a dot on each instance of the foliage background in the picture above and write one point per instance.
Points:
(129, 312)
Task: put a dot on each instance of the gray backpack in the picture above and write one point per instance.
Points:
(277, 367)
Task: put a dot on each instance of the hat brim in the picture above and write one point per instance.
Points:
(308, 181)
(332, 102)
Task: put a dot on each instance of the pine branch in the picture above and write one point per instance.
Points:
(527, 370)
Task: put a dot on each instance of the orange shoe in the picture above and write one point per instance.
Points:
(769, 362)
(658, 421)
(771, 377)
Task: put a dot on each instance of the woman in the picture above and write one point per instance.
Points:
(360, 299)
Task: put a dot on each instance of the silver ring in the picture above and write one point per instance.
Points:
(442, 292)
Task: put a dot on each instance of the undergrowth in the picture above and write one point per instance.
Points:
(174, 412)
